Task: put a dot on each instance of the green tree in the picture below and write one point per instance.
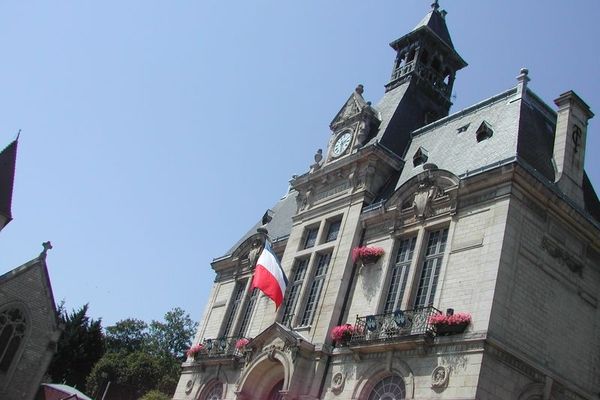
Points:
(174, 335)
(127, 335)
(155, 395)
(79, 348)
(142, 358)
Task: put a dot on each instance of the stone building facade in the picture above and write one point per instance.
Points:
(487, 212)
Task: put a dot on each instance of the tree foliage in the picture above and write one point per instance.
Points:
(127, 335)
(174, 335)
(79, 348)
(141, 358)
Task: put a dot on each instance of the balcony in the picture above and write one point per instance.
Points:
(401, 328)
(218, 349)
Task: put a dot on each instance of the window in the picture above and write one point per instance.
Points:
(238, 293)
(310, 237)
(390, 388)
(12, 332)
(419, 157)
(294, 291)
(244, 325)
(436, 244)
(315, 288)
(399, 274)
(463, 128)
(484, 131)
(333, 230)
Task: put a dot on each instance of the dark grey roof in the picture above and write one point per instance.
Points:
(437, 23)
(8, 158)
(451, 142)
(280, 224)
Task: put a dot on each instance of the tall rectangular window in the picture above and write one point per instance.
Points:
(333, 230)
(247, 315)
(436, 244)
(399, 274)
(294, 291)
(316, 287)
(310, 237)
(238, 293)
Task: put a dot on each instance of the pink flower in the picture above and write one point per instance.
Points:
(455, 319)
(359, 253)
(241, 343)
(195, 349)
(342, 332)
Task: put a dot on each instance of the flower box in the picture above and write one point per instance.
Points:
(342, 333)
(445, 330)
(449, 323)
(367, 255)
(241, 344)
(194, 350)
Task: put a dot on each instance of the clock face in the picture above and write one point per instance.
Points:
(342, 144)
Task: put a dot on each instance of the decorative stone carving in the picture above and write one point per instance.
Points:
(337, 382)
(439, 376)
(257, 246)
(318, 159)
(424, 195)
(189, 386)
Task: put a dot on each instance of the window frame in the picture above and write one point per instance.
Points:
(405, 268)
(438, 259)
(295, 290)
(307, 236)
(230, 320)
(330, 223)
(306, 320)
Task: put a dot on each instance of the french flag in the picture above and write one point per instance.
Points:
(269, 277)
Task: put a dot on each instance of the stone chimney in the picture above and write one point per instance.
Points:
(569, 144)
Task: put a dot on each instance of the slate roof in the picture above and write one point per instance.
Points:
(280, 224)
(436, 22)
(8, 158)
(456, 150)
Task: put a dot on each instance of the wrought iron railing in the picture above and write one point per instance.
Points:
(393, 325)
(220, 347)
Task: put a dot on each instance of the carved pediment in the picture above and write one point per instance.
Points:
(428, 194)
(353, 106)
(277, 338)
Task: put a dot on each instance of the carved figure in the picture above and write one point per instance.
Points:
(439, 376)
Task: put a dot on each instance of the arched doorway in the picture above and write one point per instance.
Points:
(275, 392)
(264, 380)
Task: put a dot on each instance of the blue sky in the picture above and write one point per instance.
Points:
(154, 134)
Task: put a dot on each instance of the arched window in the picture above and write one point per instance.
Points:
(13, 327)
(215, 392)
(390, 388)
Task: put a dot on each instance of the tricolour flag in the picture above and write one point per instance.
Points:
(268, 276)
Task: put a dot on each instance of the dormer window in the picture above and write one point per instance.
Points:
(484, 131)
(420, 156)
(463, 128)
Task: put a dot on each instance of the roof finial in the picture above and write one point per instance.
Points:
(435, 5)
(18, 134)
(47, 246)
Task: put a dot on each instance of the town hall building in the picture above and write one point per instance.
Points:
(429, 255)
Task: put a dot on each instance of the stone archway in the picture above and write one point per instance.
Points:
(265, 379)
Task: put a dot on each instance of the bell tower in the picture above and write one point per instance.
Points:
(423, 74)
